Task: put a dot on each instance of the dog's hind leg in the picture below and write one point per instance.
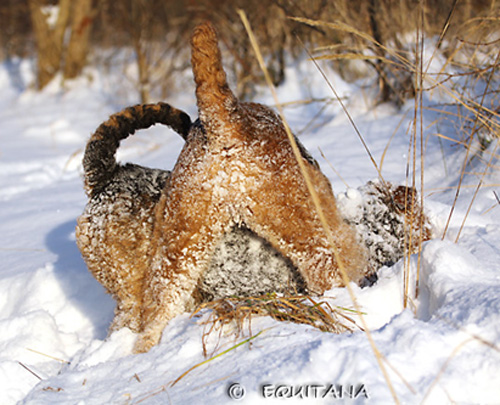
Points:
(293, 227)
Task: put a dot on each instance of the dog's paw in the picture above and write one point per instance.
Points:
(145, 341)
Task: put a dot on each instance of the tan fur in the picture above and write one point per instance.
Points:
(114, 231)
(236, 168)
(149, 236)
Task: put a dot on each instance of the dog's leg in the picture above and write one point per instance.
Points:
(170, 285)
(288, 220)
(116, 253)
(181, 249)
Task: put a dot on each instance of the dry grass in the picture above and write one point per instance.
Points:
(150, 27)
(471, 54)
(301, 309)
(470, 50)
(237, 314)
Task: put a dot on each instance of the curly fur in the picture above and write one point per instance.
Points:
(245, 265)
(114, 231)
(237, 169)
(388, 219)
(234, 217)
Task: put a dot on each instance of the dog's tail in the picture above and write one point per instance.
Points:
(99, 162)
(216, 101)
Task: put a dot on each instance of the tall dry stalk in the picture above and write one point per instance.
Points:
(319, 210)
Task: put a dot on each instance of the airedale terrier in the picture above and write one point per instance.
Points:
(116, 227)
(234, 217)
(114, 231)
(237, 170)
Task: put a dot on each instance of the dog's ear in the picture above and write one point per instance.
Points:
(216, 102)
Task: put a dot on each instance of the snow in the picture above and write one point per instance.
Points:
(54, 349)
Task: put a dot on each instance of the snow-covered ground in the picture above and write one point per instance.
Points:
(54, 316)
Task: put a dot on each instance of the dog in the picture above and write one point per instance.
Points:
(237, 171)
(233, 217)
(389, 220)
(115, 229)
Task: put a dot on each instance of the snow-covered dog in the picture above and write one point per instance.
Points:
(114, 232)
(161, 241)
(237, 170)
